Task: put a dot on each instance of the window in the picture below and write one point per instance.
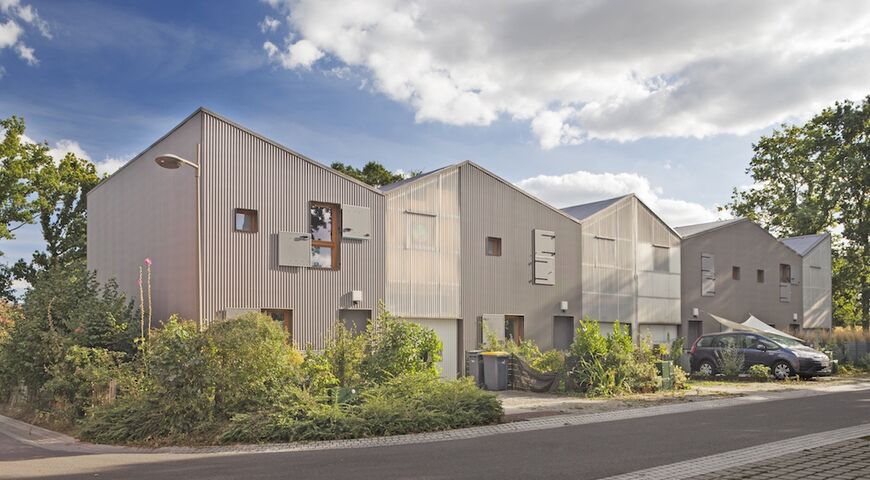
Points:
(246, 220)
(708, 275)
(493, 246)
(661, 259)
(420, 231)
(759, 276)
(324, 235)
(284, 318)
(735, 273)
(784, 273)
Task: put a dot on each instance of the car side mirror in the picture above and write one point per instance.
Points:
(761, 347)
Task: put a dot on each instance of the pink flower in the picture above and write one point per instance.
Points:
(147, 261)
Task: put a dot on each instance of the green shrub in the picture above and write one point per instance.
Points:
(344, 353)
(253, 360)
(759, 372)
(410, 402)
(729, 361)
(550, 361)
(395, 346)
(678, 349)
(81, 381)
(612, 365)
(679, 378)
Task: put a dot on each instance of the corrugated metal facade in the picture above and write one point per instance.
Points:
(505, 284)
(739, 250)
(144, 211)
(631, 269)
(241, 271)
(423, 247)
(818, 311)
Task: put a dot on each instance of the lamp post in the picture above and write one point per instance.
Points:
(173, 162)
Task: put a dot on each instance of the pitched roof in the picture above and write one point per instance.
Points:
(585, 210)
(698, 228)
(803, 244)
(203, 110)
(395, 185)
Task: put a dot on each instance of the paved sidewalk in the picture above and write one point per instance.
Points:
(814, 456)
(849, 460)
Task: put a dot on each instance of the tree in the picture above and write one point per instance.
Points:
(373, 173)
(19, 162)
(816, 177)
(60, 194)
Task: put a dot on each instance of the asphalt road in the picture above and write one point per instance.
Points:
(578, 452)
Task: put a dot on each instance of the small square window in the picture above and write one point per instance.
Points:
(735, 273)
(759, 276)
(493, 246)
(246, 220)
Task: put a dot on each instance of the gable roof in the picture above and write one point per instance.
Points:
(203, 110)
(687, 231)
(401, 183)
(804, 243)
(585, 210)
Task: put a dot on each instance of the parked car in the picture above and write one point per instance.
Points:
(784, 356)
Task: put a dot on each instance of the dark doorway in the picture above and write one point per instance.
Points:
(563, 332)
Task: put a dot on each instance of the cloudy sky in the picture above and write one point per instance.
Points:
(573, 100)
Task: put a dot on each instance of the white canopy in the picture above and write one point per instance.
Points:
(752, 324)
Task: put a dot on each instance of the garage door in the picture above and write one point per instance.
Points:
(447, 332)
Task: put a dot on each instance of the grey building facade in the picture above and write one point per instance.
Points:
(630, 268)
(280, 233)
(734, 268)
(468, 251)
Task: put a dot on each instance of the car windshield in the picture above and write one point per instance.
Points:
(785, 341)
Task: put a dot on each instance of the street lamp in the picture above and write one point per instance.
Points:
(174, 162)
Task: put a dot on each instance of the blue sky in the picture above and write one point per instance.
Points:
(587, 100)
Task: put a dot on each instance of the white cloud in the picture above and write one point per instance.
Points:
(269, 24)
(109, 165)
(301, 54)
(584, 187)
(616, 70)
(26, 53)
(64, 146)
(11, 32)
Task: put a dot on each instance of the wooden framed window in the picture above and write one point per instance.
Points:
(325, 221)
(735, 273)
(245, 220)
(784, 273)
(493, 246)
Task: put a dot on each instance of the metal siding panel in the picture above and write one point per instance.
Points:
(144, 211)
(294, 249)
(356, 222)
(241, 270)
(503, 284)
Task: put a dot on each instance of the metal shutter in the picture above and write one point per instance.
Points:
(708, 275)
(545, 257)
(356, 222)
(294, 249)
(545, 242)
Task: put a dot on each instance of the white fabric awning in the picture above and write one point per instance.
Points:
(752, 325)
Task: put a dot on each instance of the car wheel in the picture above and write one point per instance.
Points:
(706, 368)
(782, 370)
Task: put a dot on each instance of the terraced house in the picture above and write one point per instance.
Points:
(234, 222)
(734, 269)
(269, 230)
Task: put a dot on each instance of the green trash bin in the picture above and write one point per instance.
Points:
(495, 370)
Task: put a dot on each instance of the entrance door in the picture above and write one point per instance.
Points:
(563, 332)
(355, 320)
(513, 328)
(695, 330)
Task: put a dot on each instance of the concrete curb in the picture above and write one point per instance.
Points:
(58, 442)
